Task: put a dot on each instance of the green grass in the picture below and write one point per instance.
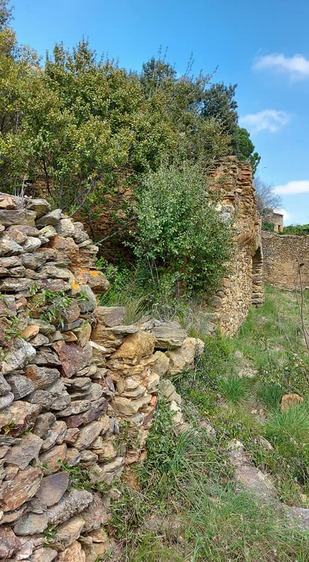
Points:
(186, 483)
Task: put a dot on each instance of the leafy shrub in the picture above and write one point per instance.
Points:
(180, 238)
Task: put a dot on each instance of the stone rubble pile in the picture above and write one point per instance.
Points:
(78, 387)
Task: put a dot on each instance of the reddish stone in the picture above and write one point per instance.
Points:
(73, 357)
(97, 409)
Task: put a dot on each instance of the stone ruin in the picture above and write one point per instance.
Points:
(283, 256)
(78, 387)
(231, 182)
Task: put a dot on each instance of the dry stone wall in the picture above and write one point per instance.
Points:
(282, 256)
(78, 387)
(231, 182)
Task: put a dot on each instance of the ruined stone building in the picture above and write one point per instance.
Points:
(231, 181)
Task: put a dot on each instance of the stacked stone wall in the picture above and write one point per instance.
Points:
(78, 387)
(231, 181)
(282, 256)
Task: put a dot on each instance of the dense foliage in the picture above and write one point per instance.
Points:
(299, 229)
(179, 231)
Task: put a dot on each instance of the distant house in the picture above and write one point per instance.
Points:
(277, 220)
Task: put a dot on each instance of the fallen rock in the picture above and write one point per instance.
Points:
(289, 401)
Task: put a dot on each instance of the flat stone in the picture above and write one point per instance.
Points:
(87, 301)
(76, 407)
(40, 206)
(43, 424)
(41, 377)
(110, 315)
(45, 554)
(33, 261)
(73, 553)
(25, 229)
(21, 455)
(80, 235)
(10, 262)
(21, 353)
(9, 543)
(96, 410)
(168, 335)
(51, 458)
(55, 272)
(88, 434)
(46, 233)
(71, 435)
(66, 535)
(128, 407)
(32, 244)
(65, 227)
(51, 218)
(9, 217)
(41, 397)
(31, 524)
(24, 486)
(9, 247)
(30, 331)
(6, 202)
(6, 401)
(250, 477)
(39, 340)
(45, 327)
(72, 357)
(19, 416)
(71, 504)
(95, 515)
(73, 456)
(79, 384)
(183, 357)
(55, 435)
(52, 488)
(14, 233)
(135, 347)
(161, 363)
(47, 357)
(20, 386)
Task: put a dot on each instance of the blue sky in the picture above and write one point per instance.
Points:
(260, 45)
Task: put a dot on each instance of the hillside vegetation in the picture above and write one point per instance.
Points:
(182, 503)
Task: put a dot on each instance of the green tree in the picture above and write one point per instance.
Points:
(245, 149)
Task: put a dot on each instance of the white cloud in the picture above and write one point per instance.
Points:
(296, 66)
(267, 120)
(292, 188)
